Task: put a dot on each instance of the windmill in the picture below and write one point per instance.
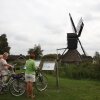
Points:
(72, 55)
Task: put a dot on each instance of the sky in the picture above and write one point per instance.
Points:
(46, 22)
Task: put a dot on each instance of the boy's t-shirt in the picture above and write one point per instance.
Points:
(30, 66)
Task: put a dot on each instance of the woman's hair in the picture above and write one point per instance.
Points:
(5, 54)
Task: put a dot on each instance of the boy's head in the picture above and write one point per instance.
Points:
(31, 53)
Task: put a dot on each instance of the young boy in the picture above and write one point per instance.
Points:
(30, 75)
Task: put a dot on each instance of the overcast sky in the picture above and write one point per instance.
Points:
(46, 22)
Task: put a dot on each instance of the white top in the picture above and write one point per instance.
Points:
(3, 69)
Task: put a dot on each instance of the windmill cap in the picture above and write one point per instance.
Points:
(72, 35)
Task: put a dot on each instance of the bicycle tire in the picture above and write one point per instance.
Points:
(17, 87)
(41, 82)
(1, 86)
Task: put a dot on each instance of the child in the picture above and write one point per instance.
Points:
(30, 75)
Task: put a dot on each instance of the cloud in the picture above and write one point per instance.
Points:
(46, 22)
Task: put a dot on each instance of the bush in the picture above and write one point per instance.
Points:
(82, 71)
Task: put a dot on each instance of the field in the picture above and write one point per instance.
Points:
(69, 89)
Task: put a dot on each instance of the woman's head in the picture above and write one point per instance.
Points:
(5, 55)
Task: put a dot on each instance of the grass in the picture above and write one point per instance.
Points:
(69, 89)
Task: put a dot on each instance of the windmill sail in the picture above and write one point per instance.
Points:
(72, 22)
(78, 30)
(80, 26)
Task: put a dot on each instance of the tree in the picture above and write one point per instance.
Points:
(4, 47)
(50, 57)
(37, 50)
(97, 57)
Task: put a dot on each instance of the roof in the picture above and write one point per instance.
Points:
(71, 56)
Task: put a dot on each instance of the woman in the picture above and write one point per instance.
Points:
(4, 66)
(30, 75)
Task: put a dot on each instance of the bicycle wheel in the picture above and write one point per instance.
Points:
(41, 82)
(17, 87)
(1, 86)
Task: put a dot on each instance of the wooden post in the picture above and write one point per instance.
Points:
(57, 72)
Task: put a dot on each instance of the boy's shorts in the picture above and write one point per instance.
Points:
(29, 78)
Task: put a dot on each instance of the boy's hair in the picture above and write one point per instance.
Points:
(31, 51)
(32, 55)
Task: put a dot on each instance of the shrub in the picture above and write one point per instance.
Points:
(81, 71)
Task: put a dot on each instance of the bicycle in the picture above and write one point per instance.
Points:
(41, 81)
(13, 84)
(40, 84)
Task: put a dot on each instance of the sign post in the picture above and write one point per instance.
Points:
(57, 72)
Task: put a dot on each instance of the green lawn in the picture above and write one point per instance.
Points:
(68, 90)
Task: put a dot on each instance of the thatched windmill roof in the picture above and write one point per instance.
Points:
(71, 56)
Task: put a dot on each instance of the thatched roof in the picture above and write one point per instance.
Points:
(71, 56)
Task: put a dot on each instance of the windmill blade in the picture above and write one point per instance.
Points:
(82, 47)
(80, 26)
(72, 22)
(79, 30)
(62, 53)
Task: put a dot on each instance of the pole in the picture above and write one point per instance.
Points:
(57, 73)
